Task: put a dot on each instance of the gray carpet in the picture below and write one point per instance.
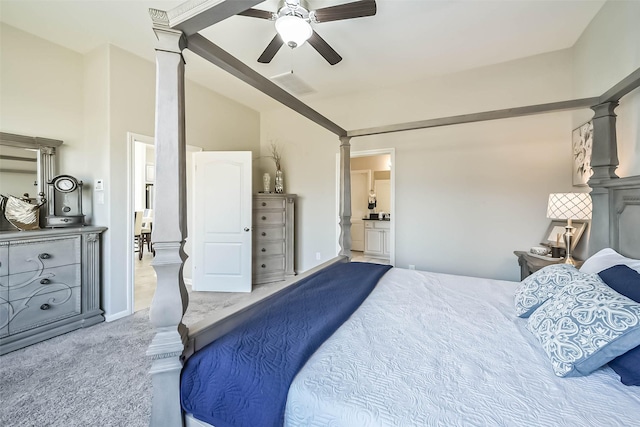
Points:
(96, 376)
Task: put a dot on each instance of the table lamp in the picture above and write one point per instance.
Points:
(569, 206)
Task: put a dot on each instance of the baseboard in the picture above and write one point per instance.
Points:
(116, 316)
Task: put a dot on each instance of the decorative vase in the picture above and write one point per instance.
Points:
(279, 182)
(266, 183)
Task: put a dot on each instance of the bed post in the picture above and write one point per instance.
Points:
(170, 300)
(604, 161)
(345, 196)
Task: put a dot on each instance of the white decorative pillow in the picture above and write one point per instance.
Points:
(542, 285)
(606, 258)
(585, 325)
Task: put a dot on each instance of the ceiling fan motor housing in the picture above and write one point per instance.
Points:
(298, 8)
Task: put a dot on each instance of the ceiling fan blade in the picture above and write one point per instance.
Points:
(257, 13)
(271, 50)
(324, 49)
(356, 9)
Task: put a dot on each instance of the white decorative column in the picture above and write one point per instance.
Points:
(345, 197)
(604, 161)
(169, 226)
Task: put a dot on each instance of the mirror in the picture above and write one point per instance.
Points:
(26, 164)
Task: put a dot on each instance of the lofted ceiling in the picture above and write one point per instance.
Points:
(406, 41)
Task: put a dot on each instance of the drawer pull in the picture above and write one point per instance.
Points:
(45, 281)
(264, 234)
(264, 203)
(45, 307)
(264, 266)
(264, 250)
(44, 256)
(264, 218)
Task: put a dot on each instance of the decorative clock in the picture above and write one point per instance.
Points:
(64, 195)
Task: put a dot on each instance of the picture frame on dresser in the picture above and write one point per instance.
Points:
(553, 235)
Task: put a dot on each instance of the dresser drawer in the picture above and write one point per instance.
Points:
(4, 319)
(269, 203)
(40, 254)
(268, 218)
(25, 285)
(42, 309)
(4, 289)
(268, 264)
(268, 233)
(4, 258)
(269, 248)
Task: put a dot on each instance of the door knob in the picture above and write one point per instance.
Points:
(246, 229)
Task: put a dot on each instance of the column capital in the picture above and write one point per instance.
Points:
(345, 140)
(605, 109)
(169, 40)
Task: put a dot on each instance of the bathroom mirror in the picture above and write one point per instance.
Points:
(26, 164)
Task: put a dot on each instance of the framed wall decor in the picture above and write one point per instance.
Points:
(553, 236)
(582, 141)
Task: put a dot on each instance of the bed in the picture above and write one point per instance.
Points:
(484, 369)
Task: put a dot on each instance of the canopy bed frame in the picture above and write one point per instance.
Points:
(616, 201)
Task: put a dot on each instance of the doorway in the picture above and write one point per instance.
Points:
(372, 174)
(141, 276)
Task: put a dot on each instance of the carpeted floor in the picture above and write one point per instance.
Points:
(92, 377)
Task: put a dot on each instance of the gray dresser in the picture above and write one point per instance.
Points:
(49, 284)
(273, 237)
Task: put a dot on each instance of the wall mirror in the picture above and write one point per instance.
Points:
(26, 164)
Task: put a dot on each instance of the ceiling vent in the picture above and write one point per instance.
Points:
(293, 84)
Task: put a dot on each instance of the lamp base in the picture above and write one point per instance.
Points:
(568, 236)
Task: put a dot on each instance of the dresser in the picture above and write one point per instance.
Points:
(49, 284)
(273, 237)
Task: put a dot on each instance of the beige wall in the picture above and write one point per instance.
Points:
(466, 196)
(41, 92)
(91, 101)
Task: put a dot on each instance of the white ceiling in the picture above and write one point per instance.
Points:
(407, 39)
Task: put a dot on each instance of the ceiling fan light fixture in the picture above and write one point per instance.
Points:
(293, 30)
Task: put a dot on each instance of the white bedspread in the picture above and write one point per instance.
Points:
(438, 350)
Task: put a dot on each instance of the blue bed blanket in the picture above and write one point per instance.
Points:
(242, 379)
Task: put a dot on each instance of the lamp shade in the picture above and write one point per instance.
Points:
(569, 206)
(293, 30)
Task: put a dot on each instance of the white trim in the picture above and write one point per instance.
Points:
(392, 231)
(116, 316)
(131, 143)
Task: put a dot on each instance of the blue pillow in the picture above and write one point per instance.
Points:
(628, 367)
(625, 281)
(585, 325)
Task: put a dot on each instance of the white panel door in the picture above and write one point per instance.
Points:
(222, 221)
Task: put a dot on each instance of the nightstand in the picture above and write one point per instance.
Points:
(530, 263)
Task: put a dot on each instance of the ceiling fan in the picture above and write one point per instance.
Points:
(293, 25)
